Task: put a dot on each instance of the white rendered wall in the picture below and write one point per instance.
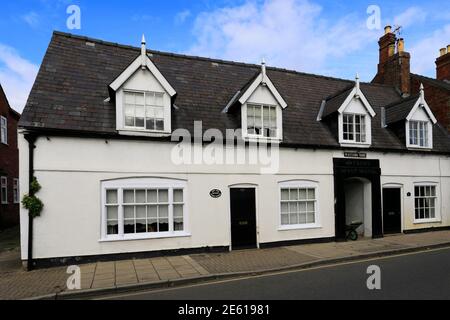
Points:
(71, 170)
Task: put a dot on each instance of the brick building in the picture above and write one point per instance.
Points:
(394, 69)
(9, 164)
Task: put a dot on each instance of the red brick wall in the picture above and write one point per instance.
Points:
(438, 99)
(9, 164)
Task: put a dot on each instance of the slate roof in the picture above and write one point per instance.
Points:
(400, 110)
(437, 83)
(334, 102)
(72, 85)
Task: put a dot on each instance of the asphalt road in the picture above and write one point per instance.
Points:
(424, 275)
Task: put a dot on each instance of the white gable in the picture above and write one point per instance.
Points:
(262, 95)
(143, 80)
(419, 115)
(356, 106)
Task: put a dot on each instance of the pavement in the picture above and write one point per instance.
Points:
(141, 274)
(421, 275)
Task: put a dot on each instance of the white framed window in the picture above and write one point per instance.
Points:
(4, 130)
(4, 190)
(144, 209)
(262, 121)
(299, 205)
(419, 134)
(144, 111)
(16, 191)
(425, 203)
(354, 128)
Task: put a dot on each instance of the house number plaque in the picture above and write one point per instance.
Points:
(216, 193)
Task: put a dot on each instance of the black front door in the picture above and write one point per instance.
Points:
(392, 210)
(243, 218)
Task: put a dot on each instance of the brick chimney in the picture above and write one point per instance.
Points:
(394, 65)
(443, 64)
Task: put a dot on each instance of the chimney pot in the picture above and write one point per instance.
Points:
(442, 52)
(401, 45)
(448, 48)
(387, 29)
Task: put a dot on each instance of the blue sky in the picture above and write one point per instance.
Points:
(316, 36)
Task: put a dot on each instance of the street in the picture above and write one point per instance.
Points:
(424, 275)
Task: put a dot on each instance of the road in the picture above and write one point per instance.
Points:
(424, 275)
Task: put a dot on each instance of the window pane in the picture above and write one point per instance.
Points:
(129, 98)
(141, 226)
(311, 194)
(159, 99)
(284, 194)
(159, 125)
(163, 225)
(140, 196)
(293, 207)
(152, 196)
(293, 194)
(139, 99)
(284, 207)
(152, 225)
(152, 212)
(284, 219)
(310, 218)
(302, 218)
(112, 213)
(128, 196)
(163, 211)
(140, 117)
(178, 224)
(111, 196)
(302, 207)
(178, 210)
(129, 226)
(128, 212)
(112, 227)
(163, 196)
(293, 218)
(141, 212)
(178, 195)
(150, 99)
(303, 194)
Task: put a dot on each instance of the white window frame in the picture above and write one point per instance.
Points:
(299, 184)
(4, 188)
(437, 215)
(259, 137)
(145, 93)
(143, 183)
(16, 191)
(353, 142)
(4, 129)
(429, 135)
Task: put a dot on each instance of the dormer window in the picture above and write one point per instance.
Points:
(354, 128)
(418, 134)
(143, 99)
(144, 111)
(262, 121)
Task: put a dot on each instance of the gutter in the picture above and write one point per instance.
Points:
(31, 138)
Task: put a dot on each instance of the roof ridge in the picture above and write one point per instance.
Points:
(216, 60)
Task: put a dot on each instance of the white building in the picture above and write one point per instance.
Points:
(100, 133)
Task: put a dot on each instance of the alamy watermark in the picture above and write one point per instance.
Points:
(213, 148)
(374, 20)
(374, 280)
(74, 280)
(74, 20)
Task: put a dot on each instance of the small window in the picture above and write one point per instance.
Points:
(16, 192)
(354, 129)
(144, 111)
(4, 190)
(262, 121)
(4, 130)
(425, 202)
(418, 134)
(147, 211)
(298, 206)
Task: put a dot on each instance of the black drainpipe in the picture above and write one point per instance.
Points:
(31, 138)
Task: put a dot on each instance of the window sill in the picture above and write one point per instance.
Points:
(143, 133)
(419, 148)
(145, 236)
(299, 227)
(425, 221)
(355, 145)
(249, 138)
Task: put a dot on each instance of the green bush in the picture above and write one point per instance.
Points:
(32, 203)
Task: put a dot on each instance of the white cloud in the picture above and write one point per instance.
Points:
(181, 17)
(288, 33)
(411, 16)
(32, 19)
(425, 51)
(17, 76)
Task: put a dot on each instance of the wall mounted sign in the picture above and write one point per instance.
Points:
(360, 155)
(215, 193)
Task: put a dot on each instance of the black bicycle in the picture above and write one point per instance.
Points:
(351, 231)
